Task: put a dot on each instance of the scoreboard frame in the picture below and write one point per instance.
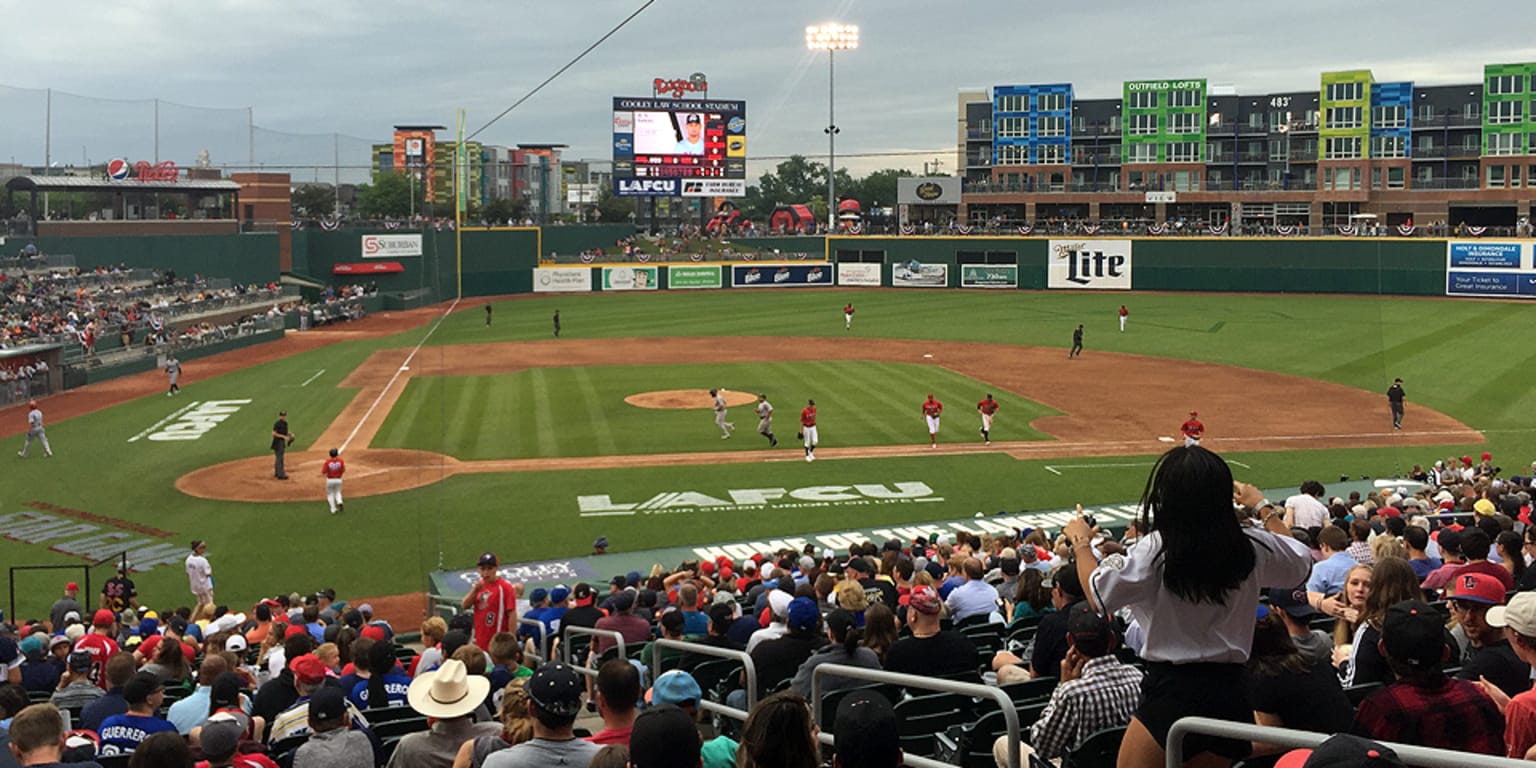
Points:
(644, 126)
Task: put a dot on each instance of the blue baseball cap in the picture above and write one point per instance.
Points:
(538, 595)
(559, 594)
(802, 614)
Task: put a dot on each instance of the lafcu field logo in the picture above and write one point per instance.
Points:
(1093, 264)
(749, 499)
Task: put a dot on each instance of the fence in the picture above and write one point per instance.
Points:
(120, 560)
(1421, 757)
(539, 630)
(749, 668)
(565, 648)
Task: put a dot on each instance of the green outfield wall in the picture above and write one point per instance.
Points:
(249, 258)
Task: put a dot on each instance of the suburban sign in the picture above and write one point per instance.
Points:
(1090, 264)
(391, 246)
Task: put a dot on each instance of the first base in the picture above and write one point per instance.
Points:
(927, 356)
(1165, 439)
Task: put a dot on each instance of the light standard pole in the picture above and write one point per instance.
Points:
(832, 37)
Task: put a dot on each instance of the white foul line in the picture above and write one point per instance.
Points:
(1239, 463)
(405, 366)
(1052, 470)
(312, 378)
(174, 415)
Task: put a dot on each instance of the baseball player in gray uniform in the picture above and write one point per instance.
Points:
(725, 426)
(173, 371)
(35, 430)
(765, 420)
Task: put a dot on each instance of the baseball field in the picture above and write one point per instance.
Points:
(462, 437)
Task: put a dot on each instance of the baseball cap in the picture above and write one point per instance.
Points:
(632, 578)
(308, 669)
(618, 581)
(1413, 634)
(1194, 412)
(235, 644)
(374, 632)
(1477, 588)
(294, 629)
(664, 737)
(556, 689)
(778, 601)
(538, 596)
(600, 542)
(488, 560)
(676, 687)
(861, 565)
(1484, 507)
(559, 595)
(1519, 615)
(865, 725)
(79, 661)
(327, 704)
(1342, 750)
(1091, 633)
(803, 614)
(141, 686)
(220, 737)
(71, 617)
(1293, 601)
(924, 601)
(71, 587)
(624, 601)
(103, 618)
(692, 119)
(33, 646)
(582, 593)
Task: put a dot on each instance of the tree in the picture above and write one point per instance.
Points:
(880, 187)
(502, 210)
(389, 195)
(794, 181)
(612, 209)
(314, 201)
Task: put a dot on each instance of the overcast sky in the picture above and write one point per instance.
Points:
(357, 68)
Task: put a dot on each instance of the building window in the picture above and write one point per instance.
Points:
(1184, 152)
(1050, 126)
(1504, 85)
(1011, 104)
(1426, 112)
(1051, 154)
(1514, 177)
(1346, 91)
(1142, 125)
(1505, 112)
(1184, 122)
(1375, 178)
(1473, 111)
(1012, 127)
(1343, 117)
(1495, 177)
(1141, 152)
(1503, 143)
(1012, 154)
(1390, 117)
(1279, 149)
(1395, 177)
(1183, 98)
(1389, 146)
(1142, 100)
(1213, 152)
(1050, 102)
(1342, 148)
(1079, 124)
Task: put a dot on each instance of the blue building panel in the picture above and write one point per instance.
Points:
(1032, 104)
(1393, 95)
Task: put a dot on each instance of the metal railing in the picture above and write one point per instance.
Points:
(121, 558)
(1422, 757)
(565, 648)
(542, 653)
(1010, 711)
(748, 668)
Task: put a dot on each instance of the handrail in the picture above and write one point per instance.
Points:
(543, 642)
(748, 667)
(565, 648)
(1010, 711)
(1424, 757)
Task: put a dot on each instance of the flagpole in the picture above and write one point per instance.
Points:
(459, 158)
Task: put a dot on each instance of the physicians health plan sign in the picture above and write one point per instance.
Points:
(1490, 268)
(859, 273)
(391, 246)
(562, 280)
(1093, 265)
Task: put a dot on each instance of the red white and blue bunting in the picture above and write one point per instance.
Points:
(643, 257)
(1090, 229)
(587, 258)
(1406, 230)
(1218, 229)
(1476, 231)
(1285, 230)
(1157, 229)
(964, 229)
(330, 225)
(696, 257)
(907, 229)
(1348, 230)
(856, 228)
(391, 225)
(296, 224)
(1025, 229)
(749, 256)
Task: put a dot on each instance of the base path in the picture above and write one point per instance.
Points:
(1112, 405)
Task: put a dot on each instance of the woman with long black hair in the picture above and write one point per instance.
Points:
(1192, 584)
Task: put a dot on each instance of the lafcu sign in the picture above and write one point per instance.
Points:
(1090, 264)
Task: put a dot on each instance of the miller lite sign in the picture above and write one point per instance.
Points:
(1089, 264)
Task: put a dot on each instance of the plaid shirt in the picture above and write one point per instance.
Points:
(1439, 712)
(1104, 697)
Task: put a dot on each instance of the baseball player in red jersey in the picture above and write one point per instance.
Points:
(808, 429)
(333, 469)
(1192, 430)
(931, 410)
(986, 408)
(1124, 313)
(100, 645)
(848, 316)
(494, 600)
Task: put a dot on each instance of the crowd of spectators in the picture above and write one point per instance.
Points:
(22, 381)
(1404, 614)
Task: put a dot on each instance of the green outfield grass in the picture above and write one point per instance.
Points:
(581, 411)
(1470, 359)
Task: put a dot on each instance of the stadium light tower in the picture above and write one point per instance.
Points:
(832, 37)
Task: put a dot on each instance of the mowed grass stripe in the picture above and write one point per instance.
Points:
(544, 426)
(597, 418)
(857, 399)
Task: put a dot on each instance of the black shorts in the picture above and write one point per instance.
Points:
(1173, 691)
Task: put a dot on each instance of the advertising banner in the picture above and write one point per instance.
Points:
(780, 275)
(858, 273)
(368, 268)
(645, 187)
(714, 188)
(693, 277)
(989, 276)
(391, 246)
(1486, 255)
(629, 278)
(1507, 284)
(915, 274)
(1089, 264)
(928, 190)
(562, 280)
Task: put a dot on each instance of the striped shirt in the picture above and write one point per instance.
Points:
(1106, 696)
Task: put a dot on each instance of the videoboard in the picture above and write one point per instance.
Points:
(658, 143)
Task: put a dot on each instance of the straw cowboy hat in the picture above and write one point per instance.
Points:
(447, 692)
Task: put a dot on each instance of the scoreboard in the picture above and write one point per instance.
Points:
(657, 143)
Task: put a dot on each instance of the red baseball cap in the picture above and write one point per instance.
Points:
(71, 587)
(308, 669)
(294, 629)
(1194, 412)
(1391, 512)
(1477, 588)
(707, 567)
(1487, 455)
(373, 632)
(103, 618)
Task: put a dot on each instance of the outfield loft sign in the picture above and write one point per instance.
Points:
(693, 277)
(562, 280)
(989, 276)
(391, 246)
(191, 421)
(1089, 264)
(759, 499)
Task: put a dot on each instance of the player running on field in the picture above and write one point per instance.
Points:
(931, 410)
(1124, 313)
(848, 316)
(1192, 430)
(808, 429)
(333, 469)
(35, 431)
(986, 408)
(765, 420)
(725, 426)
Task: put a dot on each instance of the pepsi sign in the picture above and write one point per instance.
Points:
(118, 168)
(646, 187)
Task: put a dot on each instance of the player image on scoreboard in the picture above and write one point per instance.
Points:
(669, 133)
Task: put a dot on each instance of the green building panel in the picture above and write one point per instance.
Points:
(1167, 115)
(1344, 109)
(1509, 99)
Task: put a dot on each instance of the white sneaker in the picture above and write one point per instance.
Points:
(725, 437)
(23, 455)
(809, 457)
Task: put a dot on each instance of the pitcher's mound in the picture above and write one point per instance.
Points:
(686, 398)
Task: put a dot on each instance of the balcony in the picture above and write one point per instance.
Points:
(978, 161)
(1441, 153)
(1444, 121)
(1442, 184)
(1102, 158)
(977, 133)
